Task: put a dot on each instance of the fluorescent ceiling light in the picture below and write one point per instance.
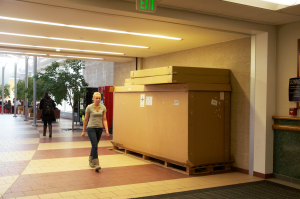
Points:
(56, 48)
(284, 2)
(12, 52)
(75, 40)
(76, 57)
(87, 28)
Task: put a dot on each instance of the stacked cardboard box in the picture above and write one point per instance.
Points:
(186, 124)
(179, 74)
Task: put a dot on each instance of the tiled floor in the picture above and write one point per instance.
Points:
(33, 166)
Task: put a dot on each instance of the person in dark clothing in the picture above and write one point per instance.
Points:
(47, 106)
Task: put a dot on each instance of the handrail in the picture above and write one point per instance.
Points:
(285, 118)
(286, 127)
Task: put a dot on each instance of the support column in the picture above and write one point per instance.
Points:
(34, 90)
(139, 63)
(26, 87)
(15, 104)
(261, 131)
(3, 68)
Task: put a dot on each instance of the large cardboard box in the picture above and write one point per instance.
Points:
(186, 124)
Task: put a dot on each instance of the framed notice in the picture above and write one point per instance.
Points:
(298, 67)
(294, 89)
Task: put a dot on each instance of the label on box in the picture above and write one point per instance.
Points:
(149, 101)
(176, 102)
(221, 95)
(214, 102)
(142, 100)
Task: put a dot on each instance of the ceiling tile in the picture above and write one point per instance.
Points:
(276, 18)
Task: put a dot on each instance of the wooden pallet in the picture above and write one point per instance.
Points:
(177, 166)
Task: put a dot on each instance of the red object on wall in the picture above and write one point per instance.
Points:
(293, 111)
(108, 103)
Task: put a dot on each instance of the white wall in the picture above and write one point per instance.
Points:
(287, 41)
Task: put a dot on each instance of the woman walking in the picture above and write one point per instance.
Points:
(94, 114)
(47, 107)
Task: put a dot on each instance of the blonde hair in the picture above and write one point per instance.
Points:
(96, 93)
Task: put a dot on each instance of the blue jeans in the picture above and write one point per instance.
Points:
(94, 135)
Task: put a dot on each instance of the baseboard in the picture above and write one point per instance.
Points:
(246, 171)
(262, 175)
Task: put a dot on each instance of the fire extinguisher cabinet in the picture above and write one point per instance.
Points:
(108, 103)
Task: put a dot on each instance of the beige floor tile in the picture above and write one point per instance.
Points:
(86, 197)
(157, 188)
(16, 156)
(88, 191)
(156, 183)
(120, 197)
(124, 187)
(29, 197)
(19, 141)
(49, 196)
(157, 193)
(141, 190)
(140, 185)
(107, 189)
(173, 186)
(79, 163)
(123, 192)
(105, 195)
(69, 193)
(139, 195)
(69, 197)
(71, 145)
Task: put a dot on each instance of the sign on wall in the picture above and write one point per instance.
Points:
(146, 5)
(294, 90)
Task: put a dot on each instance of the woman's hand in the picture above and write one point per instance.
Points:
(83, 134)
(107, 133)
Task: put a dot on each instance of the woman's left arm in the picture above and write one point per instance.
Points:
(105, 124)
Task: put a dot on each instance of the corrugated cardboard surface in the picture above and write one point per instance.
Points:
(160, 129)
(207, 136)
(179, 70)
(128, 80)
(195, 130)
(174, 87)
(164, 79)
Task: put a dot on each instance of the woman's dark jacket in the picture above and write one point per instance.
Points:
(50, 117)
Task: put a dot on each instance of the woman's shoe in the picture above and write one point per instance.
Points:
(96, 163)
(90, 162)
(45, 129)
(50, 131)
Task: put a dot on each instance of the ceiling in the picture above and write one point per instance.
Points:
(192, 36)
(238, 11)
(85, 13)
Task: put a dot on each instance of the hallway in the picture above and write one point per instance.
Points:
(33, 166)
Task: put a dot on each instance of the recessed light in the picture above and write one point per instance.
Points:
(87, 28)
(59, 49)
(77, 57)
(13, 52)
(74, 40)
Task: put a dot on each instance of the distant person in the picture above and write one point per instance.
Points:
(38, 106)
(47, 107)
(4, 101)
(8, 105)
(93, 116)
